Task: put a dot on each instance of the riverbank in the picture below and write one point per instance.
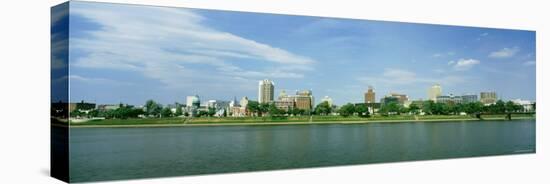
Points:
(182, 122)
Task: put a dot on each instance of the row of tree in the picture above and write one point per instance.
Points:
(433, 108)
(261, 109)
(156, 110)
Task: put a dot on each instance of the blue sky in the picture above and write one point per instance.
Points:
(129, 53)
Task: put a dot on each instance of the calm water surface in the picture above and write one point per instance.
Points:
(124, 153)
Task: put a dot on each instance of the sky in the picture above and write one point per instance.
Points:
(132, 53)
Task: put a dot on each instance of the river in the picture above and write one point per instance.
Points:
(125, 153)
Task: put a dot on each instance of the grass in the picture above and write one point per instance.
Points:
(294, 119)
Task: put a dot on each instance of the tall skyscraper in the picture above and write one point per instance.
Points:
(433, 92)
(488, 97)
(370, 95)
(266, 91)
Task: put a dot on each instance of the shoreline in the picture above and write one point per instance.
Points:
(290, 123)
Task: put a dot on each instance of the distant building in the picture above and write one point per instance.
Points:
(401, 98)
(527, 105)
(193, 101)
(239, 110)
(433, 92)
(388, 99)
(449, 99)
(370, 96)
(82, 106)
(328, 100)
(107, 107)
(304, 100)
(266, 90)
(488, 97)
(469, 98)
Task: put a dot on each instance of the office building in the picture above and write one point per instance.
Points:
(488, 98)
(433, 92)
(266, 90)
(370, 95)
(469, 98)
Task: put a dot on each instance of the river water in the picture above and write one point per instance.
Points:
(125, 153)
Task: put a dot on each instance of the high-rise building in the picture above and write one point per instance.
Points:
(488, 97)
(434, 92)
(266, 91)
(370, 95)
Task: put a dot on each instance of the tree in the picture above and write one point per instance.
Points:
(323, 108)
(253, 107)
(152, 108)
(263, 108)
(273, 110)
(499, 107)
(211, 111)
(391, 108)
(179, 112)
(186, 114)
(362, 110)
(347, 110)
(166, 112)
(428, 107)
(413, 108)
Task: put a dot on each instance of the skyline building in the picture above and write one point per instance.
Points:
(434, 91)
(304, 100)
(193, 101)
(469, 98)
(328, 100)
(488, 97)
(401, 98)
(266, 91)
(370, 95)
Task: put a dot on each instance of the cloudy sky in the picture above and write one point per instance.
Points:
(129, 53)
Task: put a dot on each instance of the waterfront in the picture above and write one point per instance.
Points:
(123, 153)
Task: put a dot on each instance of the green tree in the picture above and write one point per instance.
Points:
(179, 110)
(166, 112)
(152, 108)
(211, 111)
(428, 107)
(413, 108)
(323, 108)
(347, 110)
(253, 107)
(273, 110)
(362, 110)
(499, 107)
(391, 108)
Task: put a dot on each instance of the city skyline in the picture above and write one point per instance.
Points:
(216, 55)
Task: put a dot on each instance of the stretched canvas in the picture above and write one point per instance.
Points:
(146, 91)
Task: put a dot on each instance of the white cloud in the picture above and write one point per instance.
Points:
(96, 81)
(504, 53)
(175, 47)
(464, 64)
